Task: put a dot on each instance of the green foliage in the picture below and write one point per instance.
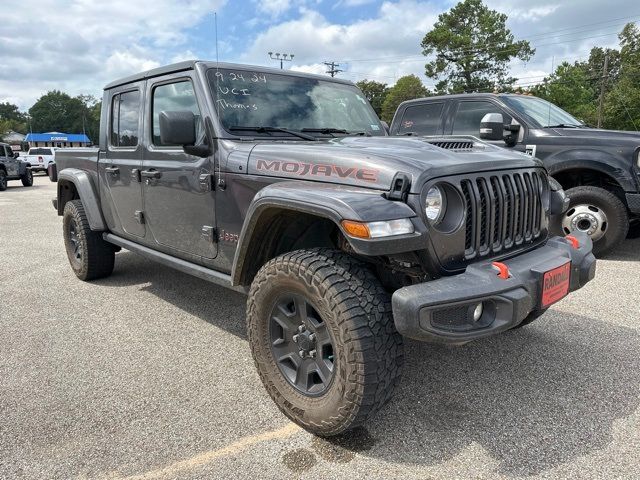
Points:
(473, 48)
(406, 88)
(57, 111)
(11, 118)
(375, 92)
(576, 87)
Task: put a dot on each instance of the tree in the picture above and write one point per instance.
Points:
(375, 92)
(406, 88)
(57, 111)
(473, 48)
(11, 118)
(572, 88)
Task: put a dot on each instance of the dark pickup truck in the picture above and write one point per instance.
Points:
(599, 169)
(285, 186)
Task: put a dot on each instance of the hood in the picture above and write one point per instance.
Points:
(372, 162)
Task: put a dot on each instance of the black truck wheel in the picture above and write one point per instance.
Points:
(3, 180)
(89, 255)
(600, 214)
(323, 339)
(27, 178)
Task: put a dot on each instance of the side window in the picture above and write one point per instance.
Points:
(125, 112)
(175, 97)
(469, 115)
(422, 119)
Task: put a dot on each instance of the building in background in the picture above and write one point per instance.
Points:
(57, 139)
(14, 139)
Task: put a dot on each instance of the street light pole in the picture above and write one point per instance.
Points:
(284, 57)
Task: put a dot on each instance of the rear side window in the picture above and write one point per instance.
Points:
(125, 112)
(469, 115)
(175, 97)
(40, 151)
(422, 119)
(7, 152)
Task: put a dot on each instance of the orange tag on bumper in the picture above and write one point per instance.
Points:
(555, 284)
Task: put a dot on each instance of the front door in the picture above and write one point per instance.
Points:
(119, 166)
(468, 115)
(178, 195)
(10, 163)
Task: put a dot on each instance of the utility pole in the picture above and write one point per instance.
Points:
(281, 57)
(333, 71)
(604, 79)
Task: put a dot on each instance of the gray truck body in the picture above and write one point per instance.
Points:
(223, 214)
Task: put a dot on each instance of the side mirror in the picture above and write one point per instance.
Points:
(492, 126)
(511, 134)
(16, 154)
(177, 128)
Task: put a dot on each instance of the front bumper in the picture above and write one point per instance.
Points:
(441, 310)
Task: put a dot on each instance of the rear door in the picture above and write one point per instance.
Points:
(119, 165)
(178, 195)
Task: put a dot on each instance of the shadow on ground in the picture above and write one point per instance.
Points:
(532, 399)
(629, 250)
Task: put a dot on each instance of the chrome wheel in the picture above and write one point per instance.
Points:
(586, 218)
(301, 345)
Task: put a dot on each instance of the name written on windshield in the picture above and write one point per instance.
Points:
(236, 84)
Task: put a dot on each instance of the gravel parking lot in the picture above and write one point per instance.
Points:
(148, 374)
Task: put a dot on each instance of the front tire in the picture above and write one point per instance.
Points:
(27, 178)
(600, 214)
(3, 180)
(326, 302)
(89, 255)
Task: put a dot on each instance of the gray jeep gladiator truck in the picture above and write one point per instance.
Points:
(12, 168)
(599, 169)
(286, 186)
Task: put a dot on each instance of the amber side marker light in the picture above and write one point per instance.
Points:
(356, 229)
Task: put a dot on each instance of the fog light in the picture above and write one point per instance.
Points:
(477, 312)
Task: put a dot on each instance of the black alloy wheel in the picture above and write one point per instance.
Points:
(301, 345)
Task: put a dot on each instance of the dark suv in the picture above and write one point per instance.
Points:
(12, 168)
(599, 169)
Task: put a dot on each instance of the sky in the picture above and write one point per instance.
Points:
(78, 46)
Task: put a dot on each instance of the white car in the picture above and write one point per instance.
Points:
(39, 158)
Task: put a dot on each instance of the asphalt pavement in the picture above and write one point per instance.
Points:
(148, 374)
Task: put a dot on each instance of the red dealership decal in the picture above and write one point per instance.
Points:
(318, 170)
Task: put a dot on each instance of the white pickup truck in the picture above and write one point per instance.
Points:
(39, 158)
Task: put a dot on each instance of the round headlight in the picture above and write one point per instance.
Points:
(434, 204)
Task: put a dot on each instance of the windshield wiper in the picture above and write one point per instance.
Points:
(334, 130)
(264, 129)
(564, 125)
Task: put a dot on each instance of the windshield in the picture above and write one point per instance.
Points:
(541, 112)
(246, 99)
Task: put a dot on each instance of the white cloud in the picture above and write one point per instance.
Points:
(273, 7)
(80, 45)
(376, 48)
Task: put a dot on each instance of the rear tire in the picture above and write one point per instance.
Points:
(89, 255)
(600, 208)
(27, 178)
(3, 180)
(363, 363)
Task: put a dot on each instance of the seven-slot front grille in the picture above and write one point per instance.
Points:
(503, 211)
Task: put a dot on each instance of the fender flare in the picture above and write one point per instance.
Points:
(595, 160)
(88, 194)
(332, 203)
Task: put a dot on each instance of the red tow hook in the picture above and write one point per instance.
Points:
(573, 241)
(502, 269)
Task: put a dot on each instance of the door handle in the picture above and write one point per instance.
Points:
(112, 170)
(150, 174)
